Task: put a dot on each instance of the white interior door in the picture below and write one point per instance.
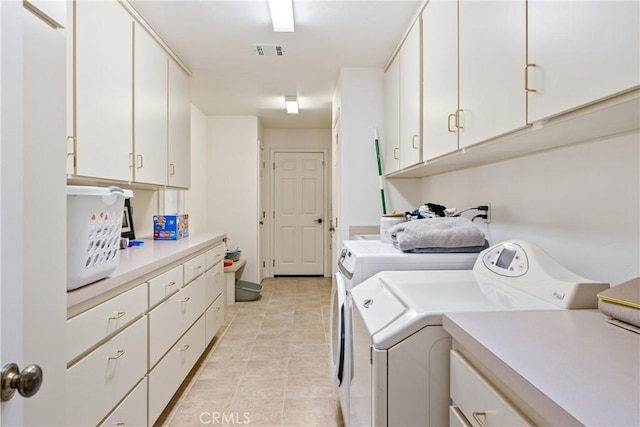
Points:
(32, 183)
(299, 221)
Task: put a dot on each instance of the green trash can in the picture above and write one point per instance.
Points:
(247, 291)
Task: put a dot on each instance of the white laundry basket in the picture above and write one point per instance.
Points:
(94, 225)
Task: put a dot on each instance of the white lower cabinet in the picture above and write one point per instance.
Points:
(97, 382)
(214, 317)
(169, 320)
(132, 411)
(167, 376)
(477, 401)
(128, 355)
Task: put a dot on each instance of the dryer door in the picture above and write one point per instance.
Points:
(338, 329)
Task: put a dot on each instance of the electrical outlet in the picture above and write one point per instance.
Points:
(488, 213)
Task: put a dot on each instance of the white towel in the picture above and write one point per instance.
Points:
(444, 232)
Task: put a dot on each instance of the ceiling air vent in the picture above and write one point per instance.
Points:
(268, 50)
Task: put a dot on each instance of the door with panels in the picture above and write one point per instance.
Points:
(299, 213)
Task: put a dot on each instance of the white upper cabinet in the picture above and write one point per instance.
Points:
(580, 52)
(492, 43)
(440, 78)
(179, 127)
(150, 109)
(390, 143)
(410, 94)
(103, 115)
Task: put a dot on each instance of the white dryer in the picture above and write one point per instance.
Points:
(359, 260)
(400, 366)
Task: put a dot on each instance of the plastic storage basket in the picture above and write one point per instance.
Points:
(94, 225)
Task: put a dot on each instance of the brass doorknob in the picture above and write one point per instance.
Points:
(27, 382)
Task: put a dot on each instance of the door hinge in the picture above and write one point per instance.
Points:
(274, 165)
(264, 264)
(323, 163)
(274, 214)
(371, 355)
(264, 165)
(273, 263)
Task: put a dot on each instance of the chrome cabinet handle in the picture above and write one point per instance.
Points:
(477, 415)
(119, 354)
(526, 78)
(458, 111)
(449, 122)
(140, 161)
(184, 347)
(117, 315)
(396, 153)
(185, 299)
(172, 169)
(170, 284)
(413, 141)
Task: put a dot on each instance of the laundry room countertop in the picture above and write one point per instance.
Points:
(565, 367)
(137, 264)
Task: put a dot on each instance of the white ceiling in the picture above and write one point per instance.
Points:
(215, 41)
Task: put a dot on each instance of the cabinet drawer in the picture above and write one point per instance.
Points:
(164, 285)
(193, 268)
(167, 376)
(132, 411)
(476, 397)
(214, 256)
(96, 383)
(214, 318)
(215, 282)
(98, 323)
(169, 320)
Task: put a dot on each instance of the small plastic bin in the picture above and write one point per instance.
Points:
(94, 225)
(247, 291)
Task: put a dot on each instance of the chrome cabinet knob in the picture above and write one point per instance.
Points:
(27, 382)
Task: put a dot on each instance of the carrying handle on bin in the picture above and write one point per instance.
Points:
(117, 190)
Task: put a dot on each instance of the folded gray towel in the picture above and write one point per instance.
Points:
(448, 232)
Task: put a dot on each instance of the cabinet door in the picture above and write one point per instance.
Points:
(392, 111)
(150, 109)
(582, 50)
(492, 56)
(167, 376)
(179, 137)
(440, 78)
(103, 94)
(410, 98)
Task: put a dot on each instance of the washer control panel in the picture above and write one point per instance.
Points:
(506, 259)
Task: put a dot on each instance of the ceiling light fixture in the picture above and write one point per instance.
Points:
(281, 15)
(291, 103)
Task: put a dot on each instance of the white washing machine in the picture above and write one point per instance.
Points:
(359, 260)
(400, 350)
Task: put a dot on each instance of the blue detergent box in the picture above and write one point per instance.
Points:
(170, 227)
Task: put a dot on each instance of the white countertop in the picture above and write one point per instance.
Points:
(570, 366)
(136, 262)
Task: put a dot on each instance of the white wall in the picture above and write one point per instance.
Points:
(361, 110)
(580, 204)
(196, 196)
(232, 184)
(297, 138)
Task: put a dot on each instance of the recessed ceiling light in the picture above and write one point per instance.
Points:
(281, 15)
(291, 103)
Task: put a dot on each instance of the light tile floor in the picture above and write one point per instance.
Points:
(269, 365)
